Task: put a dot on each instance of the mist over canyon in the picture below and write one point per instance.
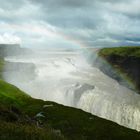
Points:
(65, 76)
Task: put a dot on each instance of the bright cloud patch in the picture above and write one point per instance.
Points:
(9, 39)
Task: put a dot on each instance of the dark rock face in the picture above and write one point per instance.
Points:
(129, 65)
(8, 49)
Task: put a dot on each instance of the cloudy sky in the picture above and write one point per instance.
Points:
(70, 23)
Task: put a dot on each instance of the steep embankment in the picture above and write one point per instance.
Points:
(31, 119)
(17, 116)
(53, 121)
(125, 61)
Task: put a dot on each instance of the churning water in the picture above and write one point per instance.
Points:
(65, 77)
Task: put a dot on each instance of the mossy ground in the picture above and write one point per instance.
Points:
(74, 124)
(16, 131)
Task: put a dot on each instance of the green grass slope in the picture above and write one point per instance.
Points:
(121, 51)
(18, 120)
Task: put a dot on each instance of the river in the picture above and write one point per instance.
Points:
(66, 78)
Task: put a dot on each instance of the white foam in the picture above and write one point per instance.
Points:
(61, 77)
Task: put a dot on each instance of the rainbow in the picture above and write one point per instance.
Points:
(53, 32)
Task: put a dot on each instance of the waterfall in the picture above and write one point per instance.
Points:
(126, 113)
(66, 78)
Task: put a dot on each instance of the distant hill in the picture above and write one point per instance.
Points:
(12, 49)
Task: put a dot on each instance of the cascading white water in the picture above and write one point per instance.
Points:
(66, 78)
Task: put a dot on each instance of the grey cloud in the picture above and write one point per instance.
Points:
(11, 4)
(95, 22)
(71, 14)
(87, 14)
(62, 3)
(126, 7)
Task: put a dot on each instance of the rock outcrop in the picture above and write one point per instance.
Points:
(126, 61)
(12, 50)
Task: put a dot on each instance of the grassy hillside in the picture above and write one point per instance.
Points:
(126, 61)
(25, 118)
(18, 119)
(15, 122)
(121, 51)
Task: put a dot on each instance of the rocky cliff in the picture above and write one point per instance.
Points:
(121, 63)
(12, 49)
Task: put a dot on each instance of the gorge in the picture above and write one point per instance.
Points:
(67, 78)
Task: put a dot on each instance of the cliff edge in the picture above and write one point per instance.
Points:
(122, 60)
